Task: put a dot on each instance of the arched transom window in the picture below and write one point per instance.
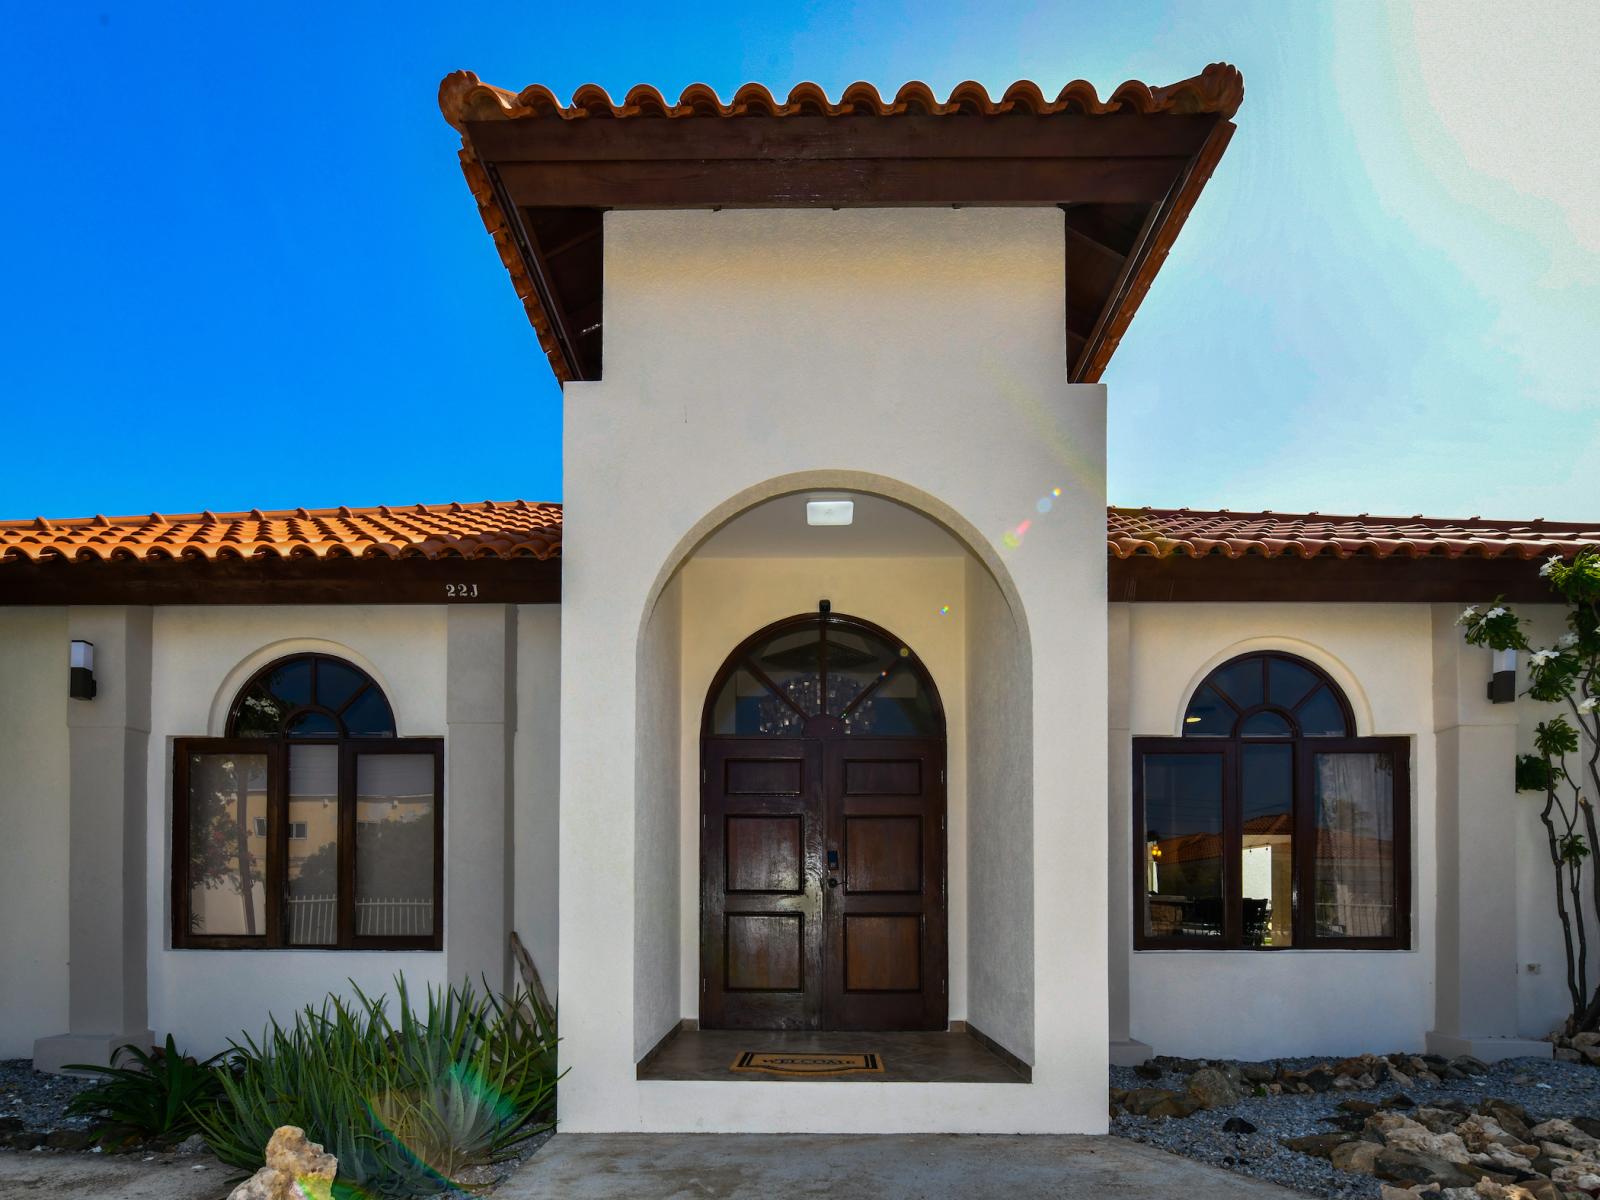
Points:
(311, 824)
(821, 674)
(1268, 825)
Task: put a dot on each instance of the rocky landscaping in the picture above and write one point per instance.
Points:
(33, 1109)
(1384, 1127)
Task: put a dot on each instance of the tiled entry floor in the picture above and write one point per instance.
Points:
(706, 1054)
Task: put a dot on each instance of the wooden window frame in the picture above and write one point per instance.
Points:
(1303, 819)
(275, 872)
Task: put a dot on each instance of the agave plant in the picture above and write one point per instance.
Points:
(161, 1098)
(404, 1104)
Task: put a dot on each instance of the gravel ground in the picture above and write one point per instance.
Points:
(38, 1100)
(1546, 1089)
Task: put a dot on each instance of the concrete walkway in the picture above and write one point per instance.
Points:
(908, 1167)
(34, 1176)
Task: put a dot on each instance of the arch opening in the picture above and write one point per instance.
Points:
(908, 564)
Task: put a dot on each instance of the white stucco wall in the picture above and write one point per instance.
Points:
(1003, 1002)
(916, 354)
(1255, 1004)
(728, 599)
(201, 657)
(34, 813)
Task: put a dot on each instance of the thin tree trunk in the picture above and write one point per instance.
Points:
(1576, 991)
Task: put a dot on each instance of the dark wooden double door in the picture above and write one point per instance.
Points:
(822, 864)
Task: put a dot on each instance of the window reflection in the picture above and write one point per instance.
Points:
(1267, 860)
(1183, 845)
(227, 805)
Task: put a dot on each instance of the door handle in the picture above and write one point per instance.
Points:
(833, 883)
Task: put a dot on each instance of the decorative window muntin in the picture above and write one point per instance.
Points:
(823, 673)
(1268, 825)
(312, 825)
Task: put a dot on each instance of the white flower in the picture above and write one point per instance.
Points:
(1468, 616)
(1567, 641)
(1540, 657)
(1588, 704)
(1550, 564)
(1494, 612)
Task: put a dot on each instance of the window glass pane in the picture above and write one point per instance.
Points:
(314, 724)
(1209, 715)
(260, 713)
(313, 898)
(793, 662)
(900, 707)
(1183, 845)
(746, 706)
(369, 715)
(855, 662)
(336, 683)
(1354, 871)
(291, 682)
(1265, 724)
(1288, 682)
(394, 845)
(1321, 716)
(227, 794)
(1242, 682)
(1267, 869)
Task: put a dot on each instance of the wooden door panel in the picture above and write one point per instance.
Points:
(761, 935)
(765, 852)
(886, 960)
(883, 854)
(883, 953)
(765, 952)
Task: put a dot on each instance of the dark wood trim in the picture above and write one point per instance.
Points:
(1071, 136)
(838, 182)
(266, 580)
(1141, 579)
(1179, 578)
(1011, 1060)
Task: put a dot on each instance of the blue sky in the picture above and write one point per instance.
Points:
(242, 268)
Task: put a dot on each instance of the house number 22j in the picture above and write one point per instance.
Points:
(460, 591)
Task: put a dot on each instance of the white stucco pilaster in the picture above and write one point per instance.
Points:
(481, 717)
(1125, 1051)
(108, 739)
(1476, 836)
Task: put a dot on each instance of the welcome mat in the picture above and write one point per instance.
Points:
(801, 1063)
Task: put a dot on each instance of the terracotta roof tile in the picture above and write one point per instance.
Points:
(514, 529)
(1219, 89)
(1169, 532)
(519, 529)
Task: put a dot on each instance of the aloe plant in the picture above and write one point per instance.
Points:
(405, 1104)
(159, 1098)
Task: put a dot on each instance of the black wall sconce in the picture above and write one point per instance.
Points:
(1503, 683)
(81, 685)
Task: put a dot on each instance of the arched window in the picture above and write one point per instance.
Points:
(818, 675)
(311, 824)
(310, 696)
(1268, 825)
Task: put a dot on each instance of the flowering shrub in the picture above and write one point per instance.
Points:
(1565, 674)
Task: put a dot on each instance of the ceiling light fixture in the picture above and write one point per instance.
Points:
(830, 512)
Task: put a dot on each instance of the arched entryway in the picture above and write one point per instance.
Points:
(822, 843)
